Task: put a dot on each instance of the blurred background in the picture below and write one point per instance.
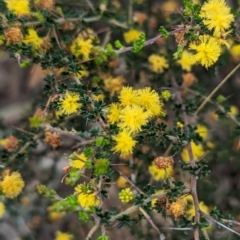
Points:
(29, 217)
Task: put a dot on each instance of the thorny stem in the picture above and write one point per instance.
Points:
(217, 105)
(131, 183)
(191, 157)
(209, 218)
(61, 132)
(24, 148)
(92, 231)
(216, 89)
(150, 41)
(130, 12)
(149, 219)
(136, 207)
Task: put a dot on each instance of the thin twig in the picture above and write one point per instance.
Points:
(216, 89)
(149, 219)
(191, 157)
(209, 218)
(62, 132)
(92, 231)
(215, 104)
(230, 221)
(150, 41)
(136, 207)
(131, 183)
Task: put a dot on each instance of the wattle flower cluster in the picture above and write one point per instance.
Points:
(133, 111)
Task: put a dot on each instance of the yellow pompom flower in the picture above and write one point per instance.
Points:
(114, 85)
(63, 236)
(121, 182)
(124, 143)
(157, 63)
(160, 174)
(113, 114)
(81, 47)
(12, 184)
(207, 50)
(133, 118)
(191, 211)
(166, 95)
(235, 50)
(70, 103)
(88, 200)
(198, 152)
(33, 39)
(149, 99)
(212, 6)
(216, 16)
(126, 195)
(18, 7)
(77, 160)
(202, 131)
(2, 209)
(128, 96)
(177, 208)
(56, 216)
(131, 36)
(186, 61)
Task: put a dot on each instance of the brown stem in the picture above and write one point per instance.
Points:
(149, 219)
(216, 89)
(131, 183)
(211, 219)
(191, 157)
(150, 41)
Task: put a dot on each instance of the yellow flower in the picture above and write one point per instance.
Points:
(216, 16)
(2, 209)
(77, 160)
(202, 131)
(234, 110)
(55, 216)
(166, 95)
(177, 208)
(128, 96)
(212, 6)
(180, 125)
(155, 200)
(157, 63)
(63, 236)
(121, 182)
(124, 143)
(88, 200)
(133, 118)
(81, 47)
(126, 195)
(70, 103)
(235, 50)
(159, 174)
(114, 112)
(12, 184)
(114, 85)
(131, 36)
(3, 142)
(19, 7)
(186, 61)
(82, 73)
(168, 7)
(207, 50)
(33, 39)
(98, 98)
(191, 211)
(149, 99)
(198, 152)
